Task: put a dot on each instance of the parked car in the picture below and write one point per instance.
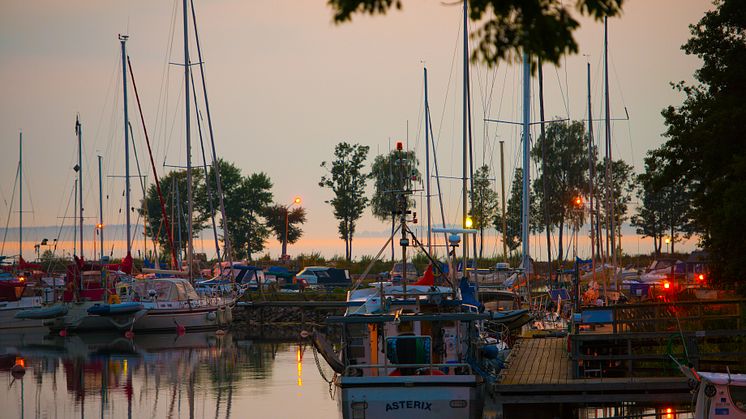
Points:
(397, 272)
(323, 276)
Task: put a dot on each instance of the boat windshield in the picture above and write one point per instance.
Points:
(165, 290)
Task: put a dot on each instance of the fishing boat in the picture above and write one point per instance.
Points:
(410, 350)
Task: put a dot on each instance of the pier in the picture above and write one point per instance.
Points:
(540, 371)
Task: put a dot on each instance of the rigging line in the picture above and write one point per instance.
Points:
(170, 136)
(204, 165)
(621, 95)
(450, 77)
(162, 104)
(109, 88)
(216, 162)
(164, 216)
(10, 210)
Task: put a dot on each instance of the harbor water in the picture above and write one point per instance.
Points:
(192, 375)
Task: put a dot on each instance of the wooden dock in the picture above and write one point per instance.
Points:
(540, 371)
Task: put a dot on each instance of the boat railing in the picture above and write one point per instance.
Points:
(353, 370)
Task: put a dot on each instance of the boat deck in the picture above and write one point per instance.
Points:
(539, 371)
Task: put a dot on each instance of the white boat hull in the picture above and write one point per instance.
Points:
(406, 397)
(202, 318)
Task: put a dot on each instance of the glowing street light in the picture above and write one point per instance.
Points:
(468, 222)
(296, 201)
(668, 241)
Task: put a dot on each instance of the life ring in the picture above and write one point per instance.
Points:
(114, 299)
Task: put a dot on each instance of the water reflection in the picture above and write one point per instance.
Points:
(195, 375)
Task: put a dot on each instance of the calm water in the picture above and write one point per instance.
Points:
(160, 376)
(196, 375)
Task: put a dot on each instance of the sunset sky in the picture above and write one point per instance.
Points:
(286, 84)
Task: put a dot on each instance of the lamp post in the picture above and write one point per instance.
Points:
(296, 201)
(668, 241)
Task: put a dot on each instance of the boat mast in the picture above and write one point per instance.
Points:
(544, 171)
(427, 167)
(190, 205)
(464, 188)
(100, 210)
(123, 40)
(526, 169)
(20, 195)
(591, 174)
(79, 132)
(216, 164)
(502, 182)
(609, 185)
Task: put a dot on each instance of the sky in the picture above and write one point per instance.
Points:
(286, 84)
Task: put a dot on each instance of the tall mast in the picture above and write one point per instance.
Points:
(75, 211)
(502, 182)
(216, 165)
(526, 168)
(591, 174)
(190, 206)
(100, 210)
(609, 184)
(465, 209)
(123, 40)
(427, 167)
(20, 195)
(544, 170)
(79, 132)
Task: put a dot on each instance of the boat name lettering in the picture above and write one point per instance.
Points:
(409, 404)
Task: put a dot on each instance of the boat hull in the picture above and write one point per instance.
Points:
(78, 319)
(405, 397)
(202, 318)
(9, 310)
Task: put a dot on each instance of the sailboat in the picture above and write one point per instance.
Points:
(172, 303)
(14, 278)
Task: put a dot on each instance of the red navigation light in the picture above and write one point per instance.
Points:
(666, 285)
(399, 146)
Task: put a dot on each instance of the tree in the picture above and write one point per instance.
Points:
(246, 199)
(664, 207)
(512, 235)
(484, 207)
(542, 28)
(706, 148)
(248, 231)
(392, 172)
(177, 210)
(275, 216)
(566, 174)
(622, 185)
(346, 179)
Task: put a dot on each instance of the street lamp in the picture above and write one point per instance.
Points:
(668, 241)
(296, 201)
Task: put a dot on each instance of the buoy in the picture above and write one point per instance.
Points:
(63, 332)
(220, 332)
(129, 334)
(304, 334)
(18, 371)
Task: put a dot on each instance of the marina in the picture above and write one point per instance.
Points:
(380, 210)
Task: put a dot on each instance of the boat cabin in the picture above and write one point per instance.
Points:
(418, 332)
